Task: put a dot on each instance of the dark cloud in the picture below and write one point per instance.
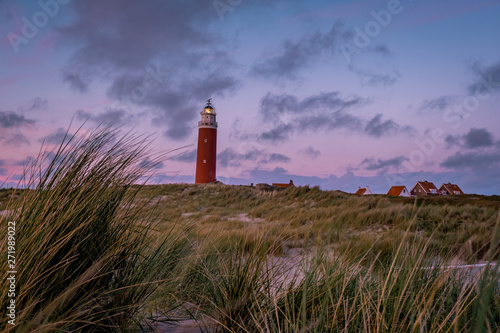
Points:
(57, 137)
(298, 54)
(439, 104)
(77, 81)
(273, 106)
(3, 171)
(487, 78)
(10, 119)
(148, 164)
(382, 49)
(27, 161)
(279, 170)
(189, 156)
(279, 133)
(14, 139)
(230, 158)
(39, 104)
(478, 137)
(377, 127)
(315, 113)
(17, 177)
(475, 160)
(452, 140)
(331, 121)
(375, 79)
(110, 116)
(311, 152)
(36, 103)
(372, 164)
(275, 157)
(475, 138)
(161, 57)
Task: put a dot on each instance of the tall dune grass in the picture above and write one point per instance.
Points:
(87, 254)
(411, 291)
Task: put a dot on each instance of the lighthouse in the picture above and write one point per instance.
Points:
(207, 145)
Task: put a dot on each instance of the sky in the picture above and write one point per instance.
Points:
(339, 94)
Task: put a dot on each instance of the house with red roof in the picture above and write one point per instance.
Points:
(450, 189)
(363, 191)
(424, 188)
(399, 191)
(284, 185)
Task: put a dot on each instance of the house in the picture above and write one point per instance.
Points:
(451, 189)
(284, 185)
(424, 188)
(399, 191)
(363, 191)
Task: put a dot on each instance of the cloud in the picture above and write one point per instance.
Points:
(311, 152)
(26, 162)
(161, 57)
(36, 103)
(437, 104)
(57, 137)
(331, 121)
(475, 160)
(279, 170)
(16, 139)
(3, 171)
(487, 78)
(382, 49)
(273, 106)
(478, 137)
(475, 138)
(377, 127)
(324, 111)
(298, 54)
(275, 157)
(10, 119)
(371, 164)
(279, 133)
(147, 163)
(229, 158)
(189, 156)
(112, 116)
(77, 81)
(375, 79)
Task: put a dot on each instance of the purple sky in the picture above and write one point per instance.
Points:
(339, 94)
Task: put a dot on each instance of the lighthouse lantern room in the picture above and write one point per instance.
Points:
(207, 145)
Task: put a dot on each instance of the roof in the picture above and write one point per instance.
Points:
(426, 186)
(452, 188)
(361, 191)
(396, 190)
(284, 184)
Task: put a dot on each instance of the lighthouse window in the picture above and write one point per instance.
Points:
(204, 161)
(205, 140)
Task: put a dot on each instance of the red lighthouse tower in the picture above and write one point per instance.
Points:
(207, 146)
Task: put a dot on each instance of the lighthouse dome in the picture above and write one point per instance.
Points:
(209, 108)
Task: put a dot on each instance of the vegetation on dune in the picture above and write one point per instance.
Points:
(97, 252)
(87, 258)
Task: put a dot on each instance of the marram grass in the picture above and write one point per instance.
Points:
(85, 257)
